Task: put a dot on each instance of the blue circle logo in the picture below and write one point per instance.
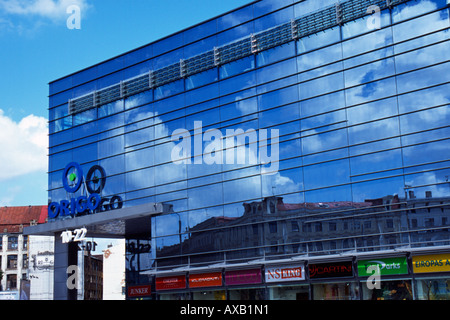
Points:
(72, 177)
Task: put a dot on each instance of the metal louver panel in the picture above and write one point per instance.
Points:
(301, 27)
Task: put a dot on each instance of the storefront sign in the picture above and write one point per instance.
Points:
(285, 273)
(139, 291)
(431, 263)
(252, 276)
(387, 266)
(331, 270)
(205, 280)
(170, 283)
(92, 202)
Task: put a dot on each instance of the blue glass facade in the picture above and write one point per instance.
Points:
(363, 119)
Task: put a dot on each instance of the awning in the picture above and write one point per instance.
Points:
(117, 223)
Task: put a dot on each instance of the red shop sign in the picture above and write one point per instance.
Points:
(205, 280)
(139, 291)
(169, 283)
(331, 270)
(252, 276)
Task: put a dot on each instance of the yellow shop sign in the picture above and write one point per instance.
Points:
(431, 263)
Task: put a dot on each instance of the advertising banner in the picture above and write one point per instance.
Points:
(252, 276)
(213, 279)
(387, 266)
(169, 283)
(431, 263)
(331, 270)
(285, 273)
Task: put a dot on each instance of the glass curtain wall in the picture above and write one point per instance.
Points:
(362, 118)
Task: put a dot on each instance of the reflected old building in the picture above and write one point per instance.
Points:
(272, 229)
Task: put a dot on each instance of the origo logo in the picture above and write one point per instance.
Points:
(91, 202)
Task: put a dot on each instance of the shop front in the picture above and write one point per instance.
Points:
(386, 279)
(333, 281)
(245, 284)
(286, 282)
(171, 287)
(208, 285)
(406, 277)
(432, 279)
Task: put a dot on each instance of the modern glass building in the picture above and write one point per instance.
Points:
(298, 148)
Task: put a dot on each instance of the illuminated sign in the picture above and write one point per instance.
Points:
(251, 276)
(285, 273)
(139, 291)
(205, 280)
(92, 202)
(331, 270)
(170, 283)
(431, 263)
(387, 266)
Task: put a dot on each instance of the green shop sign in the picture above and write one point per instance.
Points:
(388, 266)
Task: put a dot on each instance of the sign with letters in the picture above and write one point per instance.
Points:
(170, 283)
(249, 276)
(139, 291)
(431, 263)
(205, 280)
(90, 201)
(285, 273)
(387, 266)
(331, 270)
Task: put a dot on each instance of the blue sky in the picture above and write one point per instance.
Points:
(36, 47)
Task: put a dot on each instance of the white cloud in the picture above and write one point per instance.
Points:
(52, 9)
(23, 146)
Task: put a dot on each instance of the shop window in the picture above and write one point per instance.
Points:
(432, 289)
(247, 294)
(209, 295)
(174, 296)
(336, 291)
(289, 292)
(388, 290)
